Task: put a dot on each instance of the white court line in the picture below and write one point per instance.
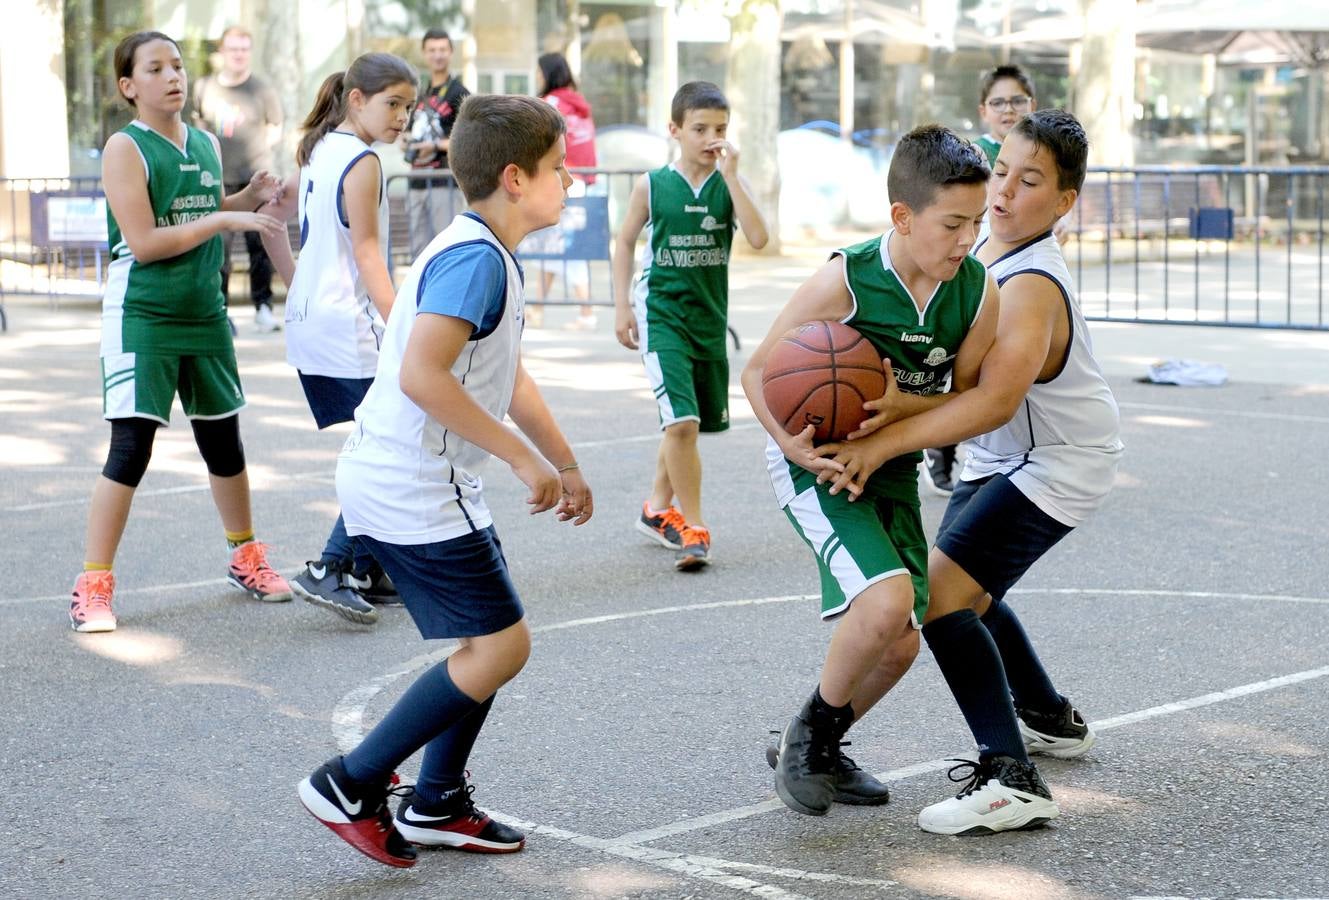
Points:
(166, 492)
(685, 826)
(348, 730)
(1244, 413)
(155, 589)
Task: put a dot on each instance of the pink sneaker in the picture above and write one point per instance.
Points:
(251, 573)
(90, 610)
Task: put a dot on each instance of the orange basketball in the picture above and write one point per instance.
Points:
(820, 374)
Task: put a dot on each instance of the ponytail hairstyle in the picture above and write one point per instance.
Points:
(127, 48)
(370, 74)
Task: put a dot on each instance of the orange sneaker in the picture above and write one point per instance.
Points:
(251, 573)
(665, 528)
(695, 551)
(90, 610)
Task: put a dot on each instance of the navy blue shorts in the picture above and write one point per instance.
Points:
(452, 589)
(995, 533)
(334, 400)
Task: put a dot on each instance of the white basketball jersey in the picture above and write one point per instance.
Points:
(332, 327)
(1062, 446)
(402, 476)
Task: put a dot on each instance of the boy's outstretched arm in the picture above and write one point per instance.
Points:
(625, 247)
(823, 296)
(749, 217)
(1026, 318)
(529, 410)
(426, 378)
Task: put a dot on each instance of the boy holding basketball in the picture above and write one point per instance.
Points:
(678, 313)
(931, 310)
(1047, 460)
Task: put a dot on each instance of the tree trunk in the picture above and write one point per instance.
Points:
(1105, 82)
(277, 60)
(752, 84)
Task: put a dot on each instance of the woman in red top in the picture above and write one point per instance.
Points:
(559, 90)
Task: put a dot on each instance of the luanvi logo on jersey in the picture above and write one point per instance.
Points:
(189, 167)
(688, 207)
(908, 338)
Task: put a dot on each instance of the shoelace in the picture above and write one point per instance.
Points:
(99, 588)
(251, 560)
(843, 759)
(695, 534)
(674, 519)
(973, 772)
(462, 798)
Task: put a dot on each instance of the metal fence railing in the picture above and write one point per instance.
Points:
(52, 238)
(1211, 245)
(565, 265)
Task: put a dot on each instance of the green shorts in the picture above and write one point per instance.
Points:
(142, 385)
(687, 388)
(858, 544)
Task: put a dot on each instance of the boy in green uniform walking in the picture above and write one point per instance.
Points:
(930, 310)
(678, 313)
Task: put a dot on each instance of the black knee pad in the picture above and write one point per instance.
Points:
(219, 444)
(131, 448)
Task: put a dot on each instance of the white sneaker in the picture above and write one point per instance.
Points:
(264, 321)
(1002, 794)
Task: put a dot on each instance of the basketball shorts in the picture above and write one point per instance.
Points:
(859, 544)
(455, 588)
(143, 385)
(333, 400)
(687, 388)
(995, 533)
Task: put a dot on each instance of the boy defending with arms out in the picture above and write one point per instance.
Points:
(409, 483)
(1004, 95)
(931, 310)
(1047, 460)
(678, 316)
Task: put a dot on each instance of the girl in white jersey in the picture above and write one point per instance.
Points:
(340, 293)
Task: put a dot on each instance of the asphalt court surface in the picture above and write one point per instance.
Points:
(1189, 619)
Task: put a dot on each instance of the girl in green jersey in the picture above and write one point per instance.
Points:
(164, 328)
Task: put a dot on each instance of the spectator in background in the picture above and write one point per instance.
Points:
(246, 115)
(559, 89)
(426, 142)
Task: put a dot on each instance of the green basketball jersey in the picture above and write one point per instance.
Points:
(921, 345)
(170, 305)
(687, 274)
(990, 147)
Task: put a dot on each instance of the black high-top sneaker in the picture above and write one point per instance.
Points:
(853, 786)
(1063, 734)
(805, 762)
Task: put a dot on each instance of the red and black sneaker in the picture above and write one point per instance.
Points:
(455, 822)
(357, 813)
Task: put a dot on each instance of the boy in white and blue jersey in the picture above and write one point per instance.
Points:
(410, 484)
(1044, 458)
